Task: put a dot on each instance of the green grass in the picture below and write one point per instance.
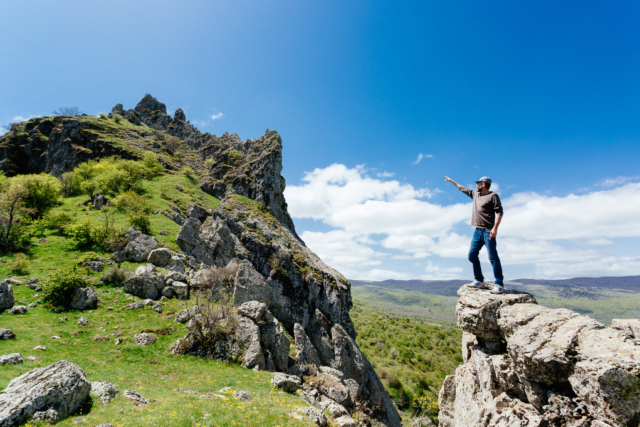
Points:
(417, 353)
(436, 308)
(152, 370)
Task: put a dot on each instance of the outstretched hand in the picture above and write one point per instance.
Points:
(447, 179)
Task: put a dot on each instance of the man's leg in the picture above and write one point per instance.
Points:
(492, 249)
(476, 244)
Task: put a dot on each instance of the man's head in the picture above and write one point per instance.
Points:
(485, 181)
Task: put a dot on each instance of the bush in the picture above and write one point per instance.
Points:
(115, 276)
(59, 222)
(14, 218)
(112, 176)
(141, 222)
(131, 201)
(394, 382)
(41, 192)
(100, 235)
(188, 172)
(216, 283)
(70, 184)
(58, 291)
(152, 164)
(403, 398)
(19, 264)
(117, 118)
(208, 163)
(67, 111)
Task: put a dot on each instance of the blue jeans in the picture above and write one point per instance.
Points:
(481, 238)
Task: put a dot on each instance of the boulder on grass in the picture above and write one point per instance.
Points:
(84, 299)
(140, 245)
(58, 389)
(6, 296)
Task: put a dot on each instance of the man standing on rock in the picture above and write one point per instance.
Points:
(486, 206)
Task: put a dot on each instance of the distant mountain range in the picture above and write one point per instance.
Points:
(450, 287)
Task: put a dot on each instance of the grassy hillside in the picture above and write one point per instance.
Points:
(423, 300)
(434, 308)
(152, 370)
(411, 356)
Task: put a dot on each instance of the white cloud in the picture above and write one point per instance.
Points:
(385, 174)
(612, 182)
(217, 116)
(403, 224)
(422, 156)
(603, 214)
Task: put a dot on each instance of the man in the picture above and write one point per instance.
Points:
(486, 217)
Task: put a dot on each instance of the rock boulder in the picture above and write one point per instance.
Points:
(59, 388)
(84, 299)
(6, 296)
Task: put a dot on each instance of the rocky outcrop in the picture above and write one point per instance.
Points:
(54, 145)
(527, 365)
(50, 393)
(308, 298)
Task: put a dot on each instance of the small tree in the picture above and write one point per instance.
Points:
(67, 111)
(13, 221)
(41, 192)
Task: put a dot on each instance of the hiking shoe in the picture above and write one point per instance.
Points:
(478, 285)
(497, 289)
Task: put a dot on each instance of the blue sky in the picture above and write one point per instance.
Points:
(542, 97)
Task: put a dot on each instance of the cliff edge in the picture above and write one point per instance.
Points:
(528, 365)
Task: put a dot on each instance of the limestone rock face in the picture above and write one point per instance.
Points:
(534, 366)
(6, 296)
(59, 388)
(477, 312)
(607, 375)
(308, 298)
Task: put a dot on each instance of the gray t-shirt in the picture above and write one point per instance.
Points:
(485, 208)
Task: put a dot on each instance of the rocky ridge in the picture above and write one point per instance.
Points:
(278, 283)
(528, 365)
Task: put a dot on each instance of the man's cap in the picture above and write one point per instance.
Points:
(484, 179)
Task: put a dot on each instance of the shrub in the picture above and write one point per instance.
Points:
(103, 116)
(112, 176)
(41, 192)
(131, 201)
(89, 187)
(67, 111)
(117, 118)
(188, 172)
(208, 163)
(100, 235)
(59, 222)
(403, 398)
(19, 264)
(394, 382)
(152, 164)
(58, 291)
(141, 221)
(216, 283)
(14, 218)
(70, 184)
(115, 276)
